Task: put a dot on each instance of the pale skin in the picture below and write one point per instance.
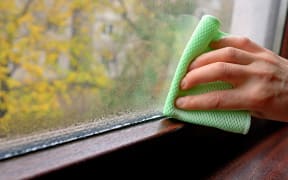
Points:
(259, 78)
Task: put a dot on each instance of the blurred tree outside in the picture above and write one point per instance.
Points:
(68, 61)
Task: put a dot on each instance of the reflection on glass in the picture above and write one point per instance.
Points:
(65, 62)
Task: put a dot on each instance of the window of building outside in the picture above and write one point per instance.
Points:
(73, 68)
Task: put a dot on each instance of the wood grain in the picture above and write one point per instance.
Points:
(42, 162)
(266, 160)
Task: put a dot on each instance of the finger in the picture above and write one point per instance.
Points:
(219, 71)
(238, 42)
(216, 100)
(228, 54)
(257, 114)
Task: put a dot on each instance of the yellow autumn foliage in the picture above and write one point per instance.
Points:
(34, 36)
(33, 69)
(58, 67)
(27, 18)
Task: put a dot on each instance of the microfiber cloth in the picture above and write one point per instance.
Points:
(237, 121)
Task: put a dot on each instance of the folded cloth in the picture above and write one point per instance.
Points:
(237, 121)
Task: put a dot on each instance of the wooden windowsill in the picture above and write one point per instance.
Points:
(222, 155)
(52, 159)
(267, 159)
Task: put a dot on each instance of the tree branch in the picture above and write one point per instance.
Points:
(125, 15)
(25, 8)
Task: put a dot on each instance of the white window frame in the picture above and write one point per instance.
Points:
(260, 20)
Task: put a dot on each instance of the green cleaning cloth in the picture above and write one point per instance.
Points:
(237, 121)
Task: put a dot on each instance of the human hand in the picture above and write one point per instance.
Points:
(259, 78)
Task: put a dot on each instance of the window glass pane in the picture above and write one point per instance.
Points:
(80, 63)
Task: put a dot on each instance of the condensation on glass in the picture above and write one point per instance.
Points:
(68, 65)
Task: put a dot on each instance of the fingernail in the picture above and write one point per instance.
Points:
(183, 84)
(180, 102)
(213, 44)
(190, 67)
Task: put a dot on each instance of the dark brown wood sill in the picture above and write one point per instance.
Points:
(268, 159)
(163, 146)
(52, 159)
(196, 152)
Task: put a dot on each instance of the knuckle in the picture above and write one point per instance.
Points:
(222, 68)
(260, 97)
(244, 41)
(270, 58)
(216, 101)
(267, 73)
(230, 52)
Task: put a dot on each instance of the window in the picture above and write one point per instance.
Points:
(74, 65)
(71, 69)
